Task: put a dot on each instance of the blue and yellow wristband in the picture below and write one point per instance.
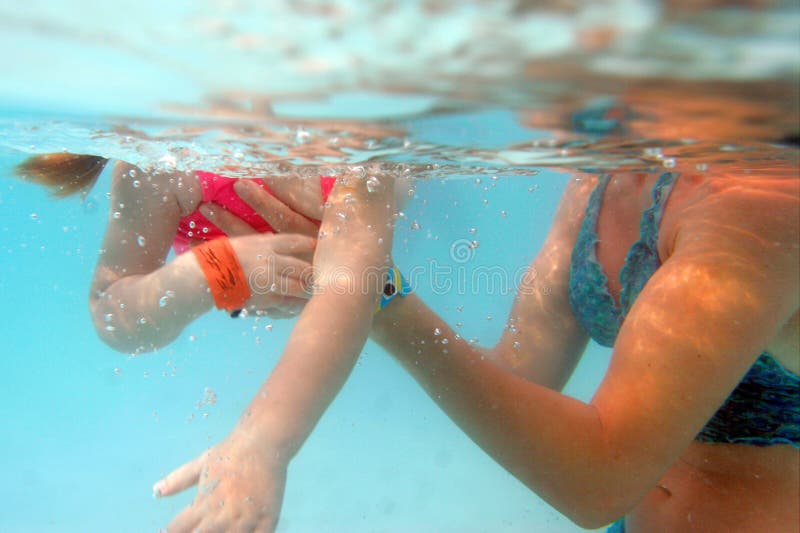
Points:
(396, 285)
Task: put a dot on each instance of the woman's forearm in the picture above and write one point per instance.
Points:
(550, 442)
(142, 313)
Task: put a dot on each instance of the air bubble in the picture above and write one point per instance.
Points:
(437, 332)
(373, 183)
(116, 215)
(668, 163)
(415, 225)
(34, 216)
(140, 241)
(136, 184)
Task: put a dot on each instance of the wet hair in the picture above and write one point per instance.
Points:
(64, 174)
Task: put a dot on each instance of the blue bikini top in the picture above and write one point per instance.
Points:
(763, 410)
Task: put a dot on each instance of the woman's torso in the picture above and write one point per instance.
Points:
(713, 487)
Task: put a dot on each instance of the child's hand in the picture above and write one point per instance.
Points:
(240, 487)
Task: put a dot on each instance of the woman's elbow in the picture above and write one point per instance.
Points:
(596, 520)
(598, 512)
(598, 498)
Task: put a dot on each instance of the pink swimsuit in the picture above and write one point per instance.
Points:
(218, 189)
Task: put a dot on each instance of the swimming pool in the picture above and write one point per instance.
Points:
(194, 85)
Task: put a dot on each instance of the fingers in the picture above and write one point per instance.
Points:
(300, 246)
(303, 194)
(186, 521)
(180, 479)
(274, 210)
(295, 287)
(232, 225)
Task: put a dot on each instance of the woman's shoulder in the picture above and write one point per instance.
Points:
(739, 215)
(763, 205)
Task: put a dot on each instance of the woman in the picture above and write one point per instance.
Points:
(696, 425)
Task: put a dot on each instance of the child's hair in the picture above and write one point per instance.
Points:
(64, 174)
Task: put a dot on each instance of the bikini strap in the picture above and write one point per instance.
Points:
(642, 260)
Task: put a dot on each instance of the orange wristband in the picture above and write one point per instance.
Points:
(221, 267)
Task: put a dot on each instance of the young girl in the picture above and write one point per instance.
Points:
(140, 301)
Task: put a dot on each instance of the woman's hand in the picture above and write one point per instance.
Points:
(278, 284)
(278, 270)
(240, 487)
(304, 198)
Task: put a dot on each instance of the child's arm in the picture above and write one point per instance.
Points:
(350, 262)
(138, 300)
(352, 257)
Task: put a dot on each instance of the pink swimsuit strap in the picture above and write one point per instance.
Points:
(219, 190)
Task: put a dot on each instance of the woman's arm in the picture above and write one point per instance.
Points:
(698, 325)
(542, 341)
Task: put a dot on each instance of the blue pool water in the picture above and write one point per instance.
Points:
(200, 85)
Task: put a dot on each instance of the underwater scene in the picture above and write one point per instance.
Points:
(471, 378)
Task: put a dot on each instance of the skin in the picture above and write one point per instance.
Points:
(241, 480)
(727, 290)
(130, 279)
